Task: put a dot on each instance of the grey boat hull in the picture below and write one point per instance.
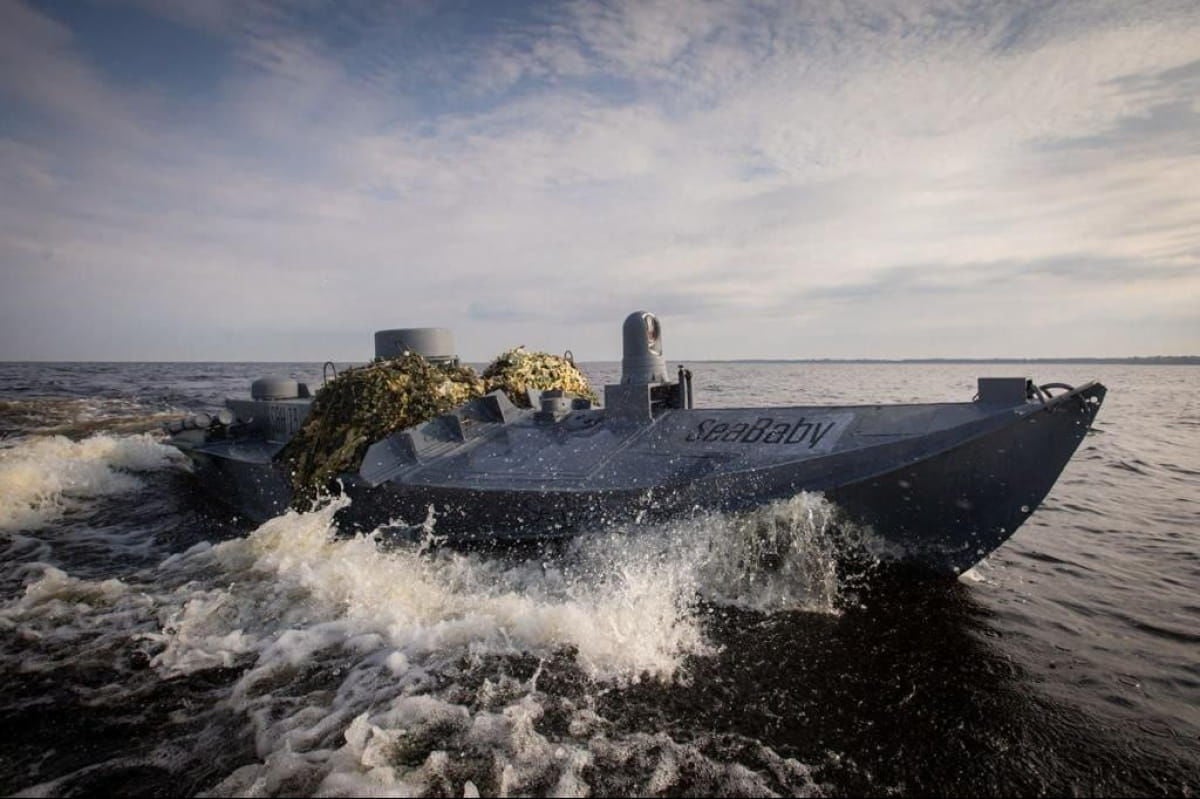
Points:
(935, 487)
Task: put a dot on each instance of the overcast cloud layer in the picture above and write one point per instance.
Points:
(233, 181)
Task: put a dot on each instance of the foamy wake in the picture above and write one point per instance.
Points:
(622, 618)
(43, 478)
(402, 631)
(369, 670)
(780, 557)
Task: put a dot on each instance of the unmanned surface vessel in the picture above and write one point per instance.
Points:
(942, 485)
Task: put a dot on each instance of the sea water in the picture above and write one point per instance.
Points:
(153, 642)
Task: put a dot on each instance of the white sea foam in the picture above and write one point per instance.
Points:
(975, 574)
(58, 590)
(623, 613)
(380, 670)
(71, 619)
(425, 746)
(356, 654)
(43, 478)
(779, 557)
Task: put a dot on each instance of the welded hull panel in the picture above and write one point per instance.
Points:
(940, 486)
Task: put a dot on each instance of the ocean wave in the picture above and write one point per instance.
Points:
(41, 479)
(372, 668)
(365, 667)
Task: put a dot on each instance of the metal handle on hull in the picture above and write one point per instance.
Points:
(1089, 403)
(1044, 390)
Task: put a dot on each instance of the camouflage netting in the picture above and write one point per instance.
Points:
(518, 369)
(362, 406)
(366, 404)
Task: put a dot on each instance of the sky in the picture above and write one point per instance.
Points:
(237, 180)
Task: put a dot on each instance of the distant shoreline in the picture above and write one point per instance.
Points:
(1137, 360)
(1153, 360)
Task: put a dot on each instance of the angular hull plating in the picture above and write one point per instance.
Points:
(934, 486)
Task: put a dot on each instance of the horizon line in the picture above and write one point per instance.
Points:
(1116, 359)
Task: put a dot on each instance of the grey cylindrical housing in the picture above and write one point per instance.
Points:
(431, 343)
(274, 388)
(642, 359)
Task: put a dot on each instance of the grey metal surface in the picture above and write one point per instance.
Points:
(274, 420)
(1003, 390)
(642, 349)
(274, 388)
(942, 483)
(601, 450)
(432, 343)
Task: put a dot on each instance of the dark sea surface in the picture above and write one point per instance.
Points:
(152, 643)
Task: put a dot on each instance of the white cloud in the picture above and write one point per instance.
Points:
(538, 180)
